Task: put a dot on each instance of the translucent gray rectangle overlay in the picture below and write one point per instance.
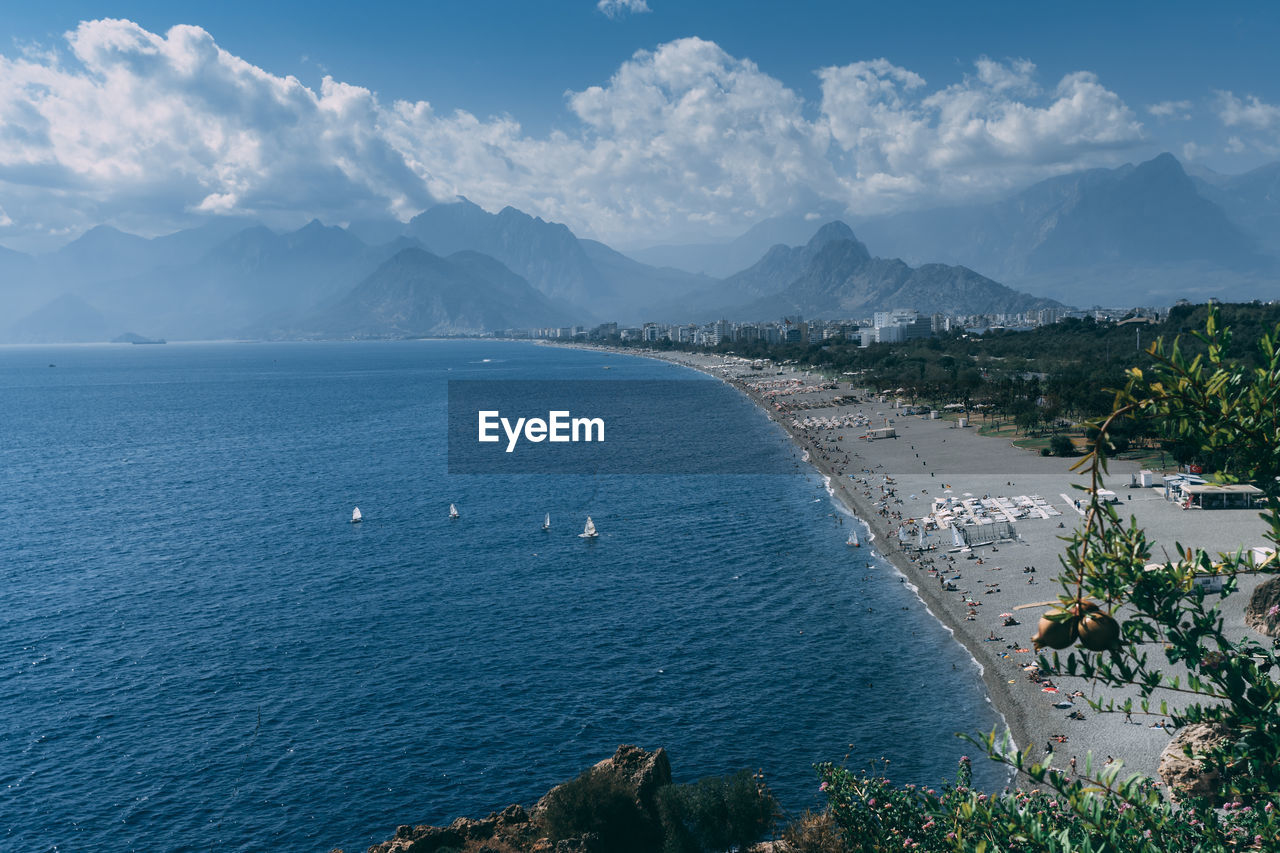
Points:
(647, 427)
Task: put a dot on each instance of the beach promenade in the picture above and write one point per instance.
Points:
(891, 481)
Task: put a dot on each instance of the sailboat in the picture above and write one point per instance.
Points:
(546, 522)
(453, 511)
(589, 532)
(853, 539)
(356, 517)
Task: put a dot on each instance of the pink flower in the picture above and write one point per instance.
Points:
(1274, 611)
(822, 787)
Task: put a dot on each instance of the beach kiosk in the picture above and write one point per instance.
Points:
(1213, 496)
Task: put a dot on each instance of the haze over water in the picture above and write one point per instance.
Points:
(200, 651)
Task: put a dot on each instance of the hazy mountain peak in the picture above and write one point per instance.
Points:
(417, 292)
(1164, 160)
(839, 233)
(835, 230)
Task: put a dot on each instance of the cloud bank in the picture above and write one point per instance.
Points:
(148, 131)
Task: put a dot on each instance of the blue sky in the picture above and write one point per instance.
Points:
(662, 120)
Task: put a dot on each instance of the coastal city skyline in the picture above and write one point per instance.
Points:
(153, 120)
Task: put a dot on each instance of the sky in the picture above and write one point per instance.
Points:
(632, 121)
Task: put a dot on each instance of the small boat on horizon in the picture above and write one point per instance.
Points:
(453, 512)
(589, 532)
(546, 522)
(356, 517)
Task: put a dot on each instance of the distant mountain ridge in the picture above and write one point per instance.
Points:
(595, 278)
(1136, 234)
(249, 281)
(834, 275)
(417, 293)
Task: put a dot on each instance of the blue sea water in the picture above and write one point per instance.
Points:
(198, 651)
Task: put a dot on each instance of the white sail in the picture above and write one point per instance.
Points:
(453, 511)
(956, 536)
(546, 522)
(356, 517)
(589, 532)
(853, 539)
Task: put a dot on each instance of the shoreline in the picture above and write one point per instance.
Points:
(881, 542)
(878, 482)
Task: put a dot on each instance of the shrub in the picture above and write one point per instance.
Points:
(599, 802)
(812, 832)
(1060, 445)
(715, 814)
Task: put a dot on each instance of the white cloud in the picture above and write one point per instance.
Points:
(1248, 112)
(1171, 109)
(618, 8)
(1257, 123)
(988, 131)
(150, 132)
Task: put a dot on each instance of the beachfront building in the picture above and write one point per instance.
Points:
(1213, 496)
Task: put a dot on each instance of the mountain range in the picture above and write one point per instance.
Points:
(416, 293)
(835, 275)
(1138, 234)
(1144, 234)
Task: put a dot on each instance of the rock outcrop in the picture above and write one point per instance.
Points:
(514, 828)
(1183, 775)
(1257, 615)
(643, 772)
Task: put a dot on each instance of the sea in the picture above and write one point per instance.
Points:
(199, 651)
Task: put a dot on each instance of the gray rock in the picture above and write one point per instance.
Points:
(1184, 775)
(1266, 596)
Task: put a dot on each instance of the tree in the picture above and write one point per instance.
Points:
(1060, 445)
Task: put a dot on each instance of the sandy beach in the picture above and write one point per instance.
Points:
(888, 482)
